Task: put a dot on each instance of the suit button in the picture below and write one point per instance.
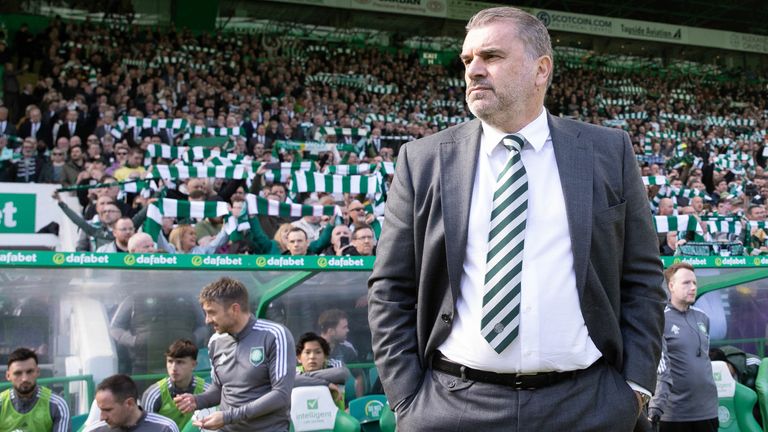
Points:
(452, 383)
(446, 318)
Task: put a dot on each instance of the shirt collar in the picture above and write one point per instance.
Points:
(535, 133)
(246, 330)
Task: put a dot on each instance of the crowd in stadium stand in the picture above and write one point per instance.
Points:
(292, 143)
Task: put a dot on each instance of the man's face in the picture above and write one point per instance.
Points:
(76, 154)
(123, 230)
(666, 207)
(258, 150)
(500, 77)
(221, 318)
(180, 369)
(757, 213)
(297, 243)
(312, 357)
(682, 288)
(279, 190)
(116, 414)
(338, 232)
(135, 159)
(3, 114)
(195, 184)
(144, 245)
(339, 334)
(28, 148)
(698, 204)
(363, 241)
(109, 214)
(23, 376)
(356, 211)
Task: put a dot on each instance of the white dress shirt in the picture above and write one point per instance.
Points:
(553, 335)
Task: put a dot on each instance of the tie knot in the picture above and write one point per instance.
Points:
(513, 142)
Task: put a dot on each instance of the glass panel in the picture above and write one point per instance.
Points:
(300, 308)
(125, 318)
(738, 314)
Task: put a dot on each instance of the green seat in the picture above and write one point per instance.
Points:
(761, 385)
(735, 402)
(387, 422)
(313, 409)
(78, 422)
(350, 392)
(367, 410)
(203, 361)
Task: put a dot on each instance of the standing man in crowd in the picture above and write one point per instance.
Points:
(494, 227)
(181, 361)
(253, 365)
(117, 398)
(26, 405)
(688, 400)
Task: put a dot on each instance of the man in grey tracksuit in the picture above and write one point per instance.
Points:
(686, 396)
(253, 365)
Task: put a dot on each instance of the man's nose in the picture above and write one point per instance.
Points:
(476, 68)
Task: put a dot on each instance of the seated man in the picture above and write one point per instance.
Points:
(26, 405)
(117, 398)
(315, 368)
(181, 361)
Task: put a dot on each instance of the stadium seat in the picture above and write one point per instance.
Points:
(78, 422)
(735, 401)
(367, 410)
(313, 410)
(761, 385)
(387, 422)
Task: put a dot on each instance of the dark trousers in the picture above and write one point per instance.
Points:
(710, 425)
(598, 399)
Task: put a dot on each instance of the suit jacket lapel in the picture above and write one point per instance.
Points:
(458, 161)
(575, 165)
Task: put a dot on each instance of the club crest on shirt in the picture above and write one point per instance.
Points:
(675, 329)
(702, 327)
(257, 356)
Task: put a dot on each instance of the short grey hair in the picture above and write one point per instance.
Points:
(530, 30)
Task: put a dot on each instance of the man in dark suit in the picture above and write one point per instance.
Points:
(35, 127)
(517, 284)
(6, 126)
(71, 126)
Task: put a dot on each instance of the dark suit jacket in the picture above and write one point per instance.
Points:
(80, 130)
(415, 281)
(43, 132)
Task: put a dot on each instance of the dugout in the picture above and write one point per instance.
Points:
(63, 303)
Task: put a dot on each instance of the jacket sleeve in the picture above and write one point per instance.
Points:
(393, 293)
(322, 242)
(78, 220)
(642, 297)
(660, 400)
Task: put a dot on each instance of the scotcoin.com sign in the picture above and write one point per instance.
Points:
(17, 213)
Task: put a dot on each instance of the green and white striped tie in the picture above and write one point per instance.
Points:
(504, 265)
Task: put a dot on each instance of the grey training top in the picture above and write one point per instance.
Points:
(253, 374)
(149, 422)
(688, 392)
